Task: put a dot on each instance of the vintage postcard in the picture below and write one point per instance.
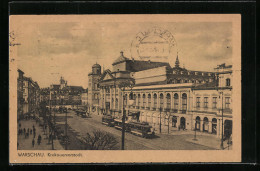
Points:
(125, 88)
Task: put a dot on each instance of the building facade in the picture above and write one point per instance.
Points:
(31, 95)
(20, 99)
(169, 98)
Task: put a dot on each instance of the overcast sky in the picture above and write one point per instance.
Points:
(50, 48)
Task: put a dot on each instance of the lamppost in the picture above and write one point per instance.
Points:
(66, 129)
(122, 86)
(160, 128)
(195, 129)
(222, 131)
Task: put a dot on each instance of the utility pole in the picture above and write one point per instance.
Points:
(160, 120)
(123, 125)
(66, 130)
(222, 131)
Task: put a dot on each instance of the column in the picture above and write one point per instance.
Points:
(201, 125)
(110, 88)
(210, 125)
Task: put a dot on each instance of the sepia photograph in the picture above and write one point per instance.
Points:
(125, 88)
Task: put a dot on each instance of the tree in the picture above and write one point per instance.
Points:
(100, 140)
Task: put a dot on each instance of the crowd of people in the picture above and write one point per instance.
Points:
(27, 133)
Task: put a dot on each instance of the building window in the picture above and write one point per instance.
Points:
(161, 100)
(168, 101)
(205, 102)
(149, 100)
(176, 101)
(184, 101)
(155, 100)
(214, 102)
(228, 82)
(144, 100)
(227, 102)
(139, 99)
(198, 102)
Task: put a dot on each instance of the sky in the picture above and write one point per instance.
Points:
(51, 47)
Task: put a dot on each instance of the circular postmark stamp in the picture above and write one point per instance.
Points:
(154, 44)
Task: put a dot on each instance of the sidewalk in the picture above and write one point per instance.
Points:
(26, 143)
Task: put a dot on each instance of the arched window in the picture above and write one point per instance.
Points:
(184, 102)
(176, 101)
(161, 100)
(139, 100)
(227, 82)
(168, 101)
(149, 100)
(144, 100)
(155, 100)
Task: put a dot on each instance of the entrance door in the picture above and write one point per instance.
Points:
(183, 123)
(174, 121)
(227, 128)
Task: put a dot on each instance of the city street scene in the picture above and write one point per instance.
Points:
(97, 85)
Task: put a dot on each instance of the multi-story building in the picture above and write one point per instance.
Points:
(84, 97)
(93, 88)
(169, 97)
(20, 99)
(31, 96)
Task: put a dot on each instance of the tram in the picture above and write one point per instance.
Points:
(143, 130)
(108, 120)
(118, 125)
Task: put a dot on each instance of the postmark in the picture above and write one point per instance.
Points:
(155, 44)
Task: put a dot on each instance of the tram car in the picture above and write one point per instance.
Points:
(118, 125)
(141, 129)
(108, 120)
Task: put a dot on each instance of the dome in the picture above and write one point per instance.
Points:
(121, 58)
(96, 66)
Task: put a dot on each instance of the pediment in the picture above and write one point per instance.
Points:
(107, 76)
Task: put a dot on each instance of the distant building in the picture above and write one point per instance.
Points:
(84, 97)
(62, 94)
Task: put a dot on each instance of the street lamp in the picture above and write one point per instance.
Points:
(122, 86)
(195, 129)
(160, 119)
(222, 131)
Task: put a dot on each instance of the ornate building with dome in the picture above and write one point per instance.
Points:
(168, 98)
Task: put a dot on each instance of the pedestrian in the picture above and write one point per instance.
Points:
(31, 131)
(20, 125)
(24, 130)
(33, 142)
(28, 130)
(39, 140)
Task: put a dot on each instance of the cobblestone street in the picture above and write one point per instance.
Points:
(177, 140)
